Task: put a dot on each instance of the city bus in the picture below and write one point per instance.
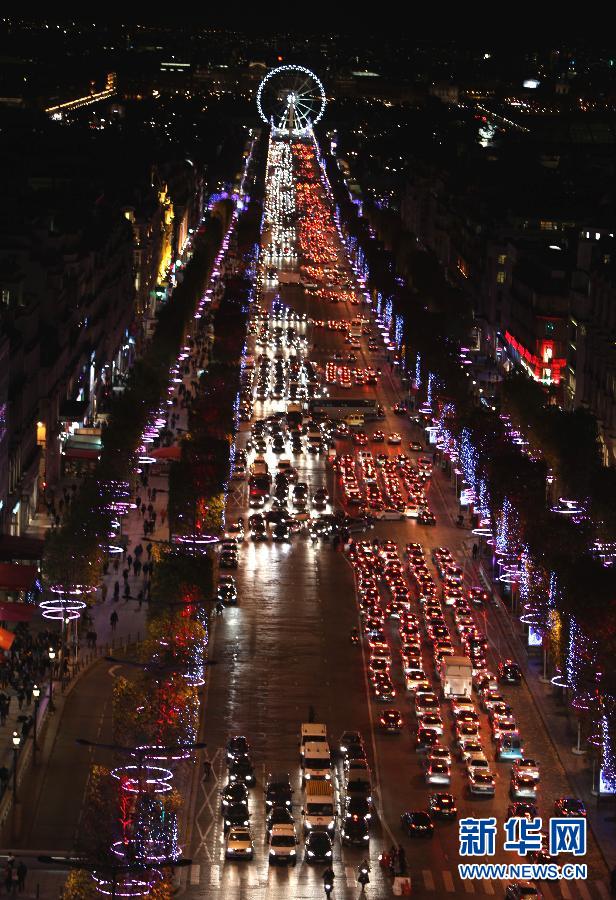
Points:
(343, 407)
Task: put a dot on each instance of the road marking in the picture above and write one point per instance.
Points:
(195, 873)
(215, 874)
(428, 880)
(564, 890)
(581, 886)
(468, 885)
(488, 886)
(349, 871)
(449, 886)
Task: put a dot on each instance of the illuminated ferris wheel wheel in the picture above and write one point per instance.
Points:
(291, 100)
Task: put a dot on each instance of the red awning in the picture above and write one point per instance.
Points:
(14, 577)
(173, 452)
(81, 453)
(16, 612)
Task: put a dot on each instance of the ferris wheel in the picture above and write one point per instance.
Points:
(291, 99)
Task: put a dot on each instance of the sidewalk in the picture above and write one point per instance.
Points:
(558, 719)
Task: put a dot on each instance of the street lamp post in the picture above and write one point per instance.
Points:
(36, 693)
(16, 743)
(52, 656)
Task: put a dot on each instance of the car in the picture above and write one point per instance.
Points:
(226, 591)
(523, 787)
(357, 806)
(318, 847)
(355, 830)
(239, 843)
(425, 517)
(526, 767)
(427, 739)
(378, 437)
(570, 807)
(394, 438)
(522, 810)
(509, 747)
(442, 806)
(241, 769)
(438, 773)
(509, 672)
(390, 721)
(236, 815)
(278, 790)
(282, 846)
(278, 815)
(237, 746)
(281, 532)
(356, 768)
(234, 792)
(349, 739)
(415, 446)
(477, 596)
(358, 787)
(439, 754)
(235, 531)
(431, 720)
(228, 560)
(522, 890)
(417, 823)
(481, 783)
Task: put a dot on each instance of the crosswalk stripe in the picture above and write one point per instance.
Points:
(447, 878)
(253, 875)
(564, 890)
(214, 874)
(195, 873)
(469, 887)
(581, 886)
(428, 880)
(349, 871)
(602, 889)
(488, 886)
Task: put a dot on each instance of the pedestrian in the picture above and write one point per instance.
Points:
(219, 608)
(207, 769)
(143, 510)
(129, 562)
(127, 591)
(393, 859)
(104, 590)
(22, 871)
(116, 591)
(140, 598)
(149, 550)
(475, 551)
(20, 698)
(401, 860)
(8, 877)
(113, 620)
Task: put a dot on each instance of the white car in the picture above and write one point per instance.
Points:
(477, 764)
(431, 720)
(283, 844)
(438, 773)
(386, 514)
(239, 844)
(526, 767)
(471, 749)
(480, 782)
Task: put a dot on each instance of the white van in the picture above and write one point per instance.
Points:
(316, 762)
(311, 732)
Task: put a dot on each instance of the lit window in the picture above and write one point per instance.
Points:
(500, 277)
(502, 259)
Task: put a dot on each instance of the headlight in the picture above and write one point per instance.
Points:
(272, 853)
(308, 777)
(328, 777)
(330, 826)
(310, 853)
(227, 822)
(246, 822)
(292, 853)
(366, 837)
(287, 803)
(329, 853)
